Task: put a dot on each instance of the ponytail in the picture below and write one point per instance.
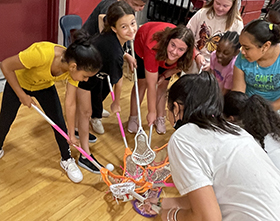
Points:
(83, 53)
(263, 31)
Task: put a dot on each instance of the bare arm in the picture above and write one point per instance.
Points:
(199, 59)
(151, 79)
(130, 60)
(70, 109)
(276, 104)
(239, 83)
(200, 204)
(168, 73)
(115, 106)
(225, 91)
(101, 22)
(8, 67)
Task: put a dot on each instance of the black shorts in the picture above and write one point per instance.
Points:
(141, 69)
(92, 81)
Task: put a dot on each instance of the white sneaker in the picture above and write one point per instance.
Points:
(105, 113)
(73, 172)
(1, 153)
(160, 125)
(97, 125)
(132, 125)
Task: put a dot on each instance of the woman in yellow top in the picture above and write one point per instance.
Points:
(33, 72)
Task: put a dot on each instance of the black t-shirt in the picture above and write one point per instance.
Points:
(91, 24)
(111, 53)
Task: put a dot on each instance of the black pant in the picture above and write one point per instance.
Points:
(99, 88)
(98, 94)
(49, 101)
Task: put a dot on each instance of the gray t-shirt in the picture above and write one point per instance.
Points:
(91, 24)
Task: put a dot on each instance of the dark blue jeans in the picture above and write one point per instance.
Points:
(50, 103)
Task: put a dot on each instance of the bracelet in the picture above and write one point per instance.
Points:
(196, 56)
(169, 217)
(163, 75)
(175, 214)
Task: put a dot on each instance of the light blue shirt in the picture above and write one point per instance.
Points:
(264, 81)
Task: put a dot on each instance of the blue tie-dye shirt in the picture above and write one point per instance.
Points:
(264, 81)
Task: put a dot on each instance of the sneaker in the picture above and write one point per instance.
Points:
(160, 125)
(1, 153)
(105, 113)
(97, 125)
(73, 171)
(132, 125)
(86, 164)
(92, 138)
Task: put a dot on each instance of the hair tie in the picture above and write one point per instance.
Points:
(270, 26)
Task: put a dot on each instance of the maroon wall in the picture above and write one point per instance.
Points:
(251, 9)
(23, 22)
(82, 8)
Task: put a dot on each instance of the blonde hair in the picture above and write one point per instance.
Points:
(232, 14)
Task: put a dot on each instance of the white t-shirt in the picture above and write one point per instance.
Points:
(245, 181)
(272, 147)
(207, 31)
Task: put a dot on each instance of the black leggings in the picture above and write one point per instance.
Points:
(49, 101)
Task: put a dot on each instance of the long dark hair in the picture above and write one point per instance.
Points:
(259, 119)
(263, 31)
(255, 113)
(180, 32)
(202, 100)
(275, 7)
(83, 53)
(116, 11)
(234, 103)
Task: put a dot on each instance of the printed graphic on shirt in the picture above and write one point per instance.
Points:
(262, 82)
(207, 41)
(218, 75)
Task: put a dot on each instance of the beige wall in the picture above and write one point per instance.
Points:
(62, 7)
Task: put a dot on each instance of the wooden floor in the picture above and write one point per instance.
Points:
(33, 186)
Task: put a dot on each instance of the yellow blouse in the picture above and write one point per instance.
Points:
(37, 60)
